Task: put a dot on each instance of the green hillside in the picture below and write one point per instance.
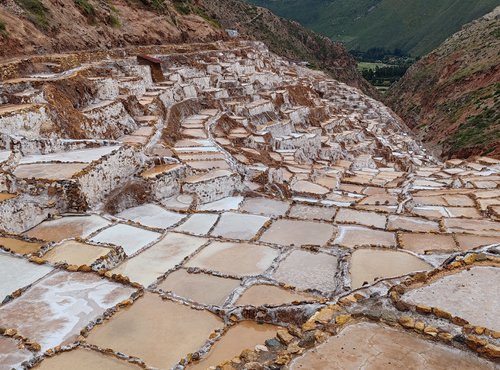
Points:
(416, 26)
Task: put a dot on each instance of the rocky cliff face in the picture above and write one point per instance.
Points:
(288, 39)
(451, 98)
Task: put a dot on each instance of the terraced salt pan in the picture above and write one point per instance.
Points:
(82, 155)
(157, 331)
(75, 253)
(10, 355)
(201, 288)
(208, 165)
(468, 212)
(238, 259)
(380, 199)
(307, 187)
(198, 224)
(357, 236)
(147, 266)
(293, 232)
(19, 246)
(224, 204)
(258, 295)
(68, 227)
(478, 227)
(18, 273)
(196, 149)
(54, 310)
(48, 171)
(244, 335)
(83, 359)
(411, 224)
(462, 294)
(345, 215)
(467, 241)
(6, 196)
(369, 265)
(431, 211)
(238, 226)
(374, 346)
(207, 176)
(158, 170)
(180, 202)
(152, 215)
(310, 212)
(420, 243)
(4, 155)
(306, 270)
(265, 206)
(130, 238)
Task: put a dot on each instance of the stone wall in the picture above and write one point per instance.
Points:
(109, 120)
(26, 122)
(24, 212)
(215, 188)
(108, 173)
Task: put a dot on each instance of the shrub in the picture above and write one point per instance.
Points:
(114, 20)
(87, 9)
(182, 6)
(37, 12)
(3, 28)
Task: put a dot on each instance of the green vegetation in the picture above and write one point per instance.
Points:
(36, 12)
(367, 66)
(382, 67)
(3, 28)
(496, 33)
(182, 6)
(87, 9)
(416, 27)
(158, 5)
(479, 130)
(114, 20)
(186, 7)
(382, 76)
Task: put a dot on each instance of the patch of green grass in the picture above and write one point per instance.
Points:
(114, 20)
(479, 130)
(182, 6)
(37, 12)
(364, 66)
(496, 32)
(87, 9)
(200, 12)
(3, 28)
(158, 5)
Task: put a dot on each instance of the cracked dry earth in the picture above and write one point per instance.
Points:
(233, 210)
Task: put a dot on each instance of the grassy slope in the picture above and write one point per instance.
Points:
(416, 26)
(451, 97)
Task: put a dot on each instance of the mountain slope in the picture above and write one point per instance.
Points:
(288, 39)
(451, 98)
(49, 26)
(416, 27)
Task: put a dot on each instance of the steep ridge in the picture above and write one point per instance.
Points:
(46, 26)
(415, 27)
(451, 98)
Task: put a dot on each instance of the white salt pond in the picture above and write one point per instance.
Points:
(130, 238)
